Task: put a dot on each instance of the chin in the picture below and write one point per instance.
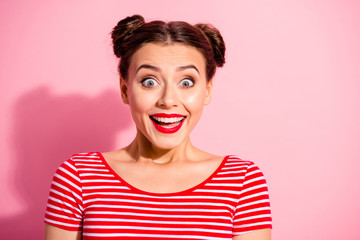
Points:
(167, 144)
(164, 142)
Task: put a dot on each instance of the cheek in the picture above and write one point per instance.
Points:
(195, 101)
(141, 102)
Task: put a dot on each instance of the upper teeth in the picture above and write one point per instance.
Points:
(168, 120)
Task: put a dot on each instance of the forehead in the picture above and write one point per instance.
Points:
(168, 56)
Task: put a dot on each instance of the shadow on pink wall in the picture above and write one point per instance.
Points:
(47, 130)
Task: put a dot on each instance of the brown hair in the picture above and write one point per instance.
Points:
(132, 32)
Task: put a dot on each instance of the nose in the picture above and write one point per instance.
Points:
(169, 97)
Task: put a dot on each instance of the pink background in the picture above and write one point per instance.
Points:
(288, 99)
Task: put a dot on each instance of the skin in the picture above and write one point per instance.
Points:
(164, 79)
(55, 233)
(154, 161)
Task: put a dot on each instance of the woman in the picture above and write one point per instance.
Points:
(161, 186)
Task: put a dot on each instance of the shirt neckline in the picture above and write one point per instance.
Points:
(135, 189)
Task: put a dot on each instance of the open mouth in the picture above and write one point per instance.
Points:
(167, 123)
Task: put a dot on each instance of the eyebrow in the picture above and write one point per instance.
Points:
(181, 68)
(187, 67)
(147, 66)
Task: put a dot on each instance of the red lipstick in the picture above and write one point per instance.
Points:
(167, 123)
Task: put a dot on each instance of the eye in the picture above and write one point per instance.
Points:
(149, 82)
(187, 82)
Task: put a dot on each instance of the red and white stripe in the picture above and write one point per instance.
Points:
(87, 195)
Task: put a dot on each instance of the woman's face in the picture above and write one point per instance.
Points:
(166, 90)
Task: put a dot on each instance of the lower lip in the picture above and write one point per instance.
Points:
(168, 130)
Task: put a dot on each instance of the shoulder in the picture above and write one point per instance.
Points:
(77, 160)
(235, 161)
(68, 175)
(86, 156)
(236, 165)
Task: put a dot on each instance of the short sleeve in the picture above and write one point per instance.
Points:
(64, 208)
(253, 209)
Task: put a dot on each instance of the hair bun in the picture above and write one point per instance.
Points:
(123, 30)
(216, 42)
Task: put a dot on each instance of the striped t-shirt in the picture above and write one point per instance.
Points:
(87, 195)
